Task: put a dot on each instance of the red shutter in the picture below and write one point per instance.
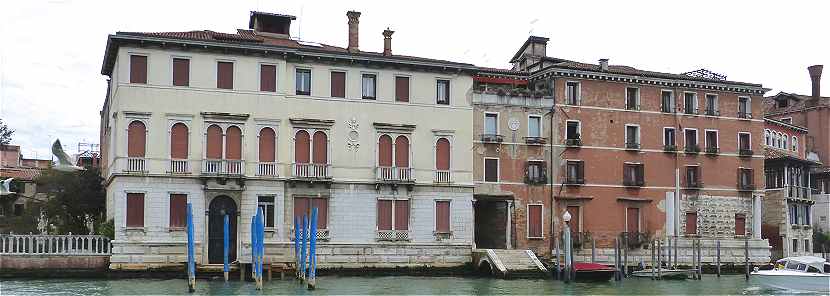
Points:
(178, 141)
(740, 224)
(385, 151)
(402, 214)
(633, 218)
(442, 216)
(534, 221)
(301, 147)
(181, 72)
(384, 215)
(136, 138)
(214, 142)
(338, 84)
(575, 222)
(135, 209)
(138, 69)
(322, 205)
(691, 223)
(178, 209)
(224, 75)
(402, 152)
(268, 78)
(442, 154)
(401, 89)
(301, 208)
(233, 143)
(267, 145)
(320, 146)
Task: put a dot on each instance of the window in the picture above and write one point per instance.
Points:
(689, 103)
(181, 72)
(136, 139)
(712, 105)
(794, 144)
(268, 78)
(534, 221)
(782, 103)
(793, 214)
(534, 126)
(743, 142)
(691, 223)
(443, 92)
(303, 82)
(806, 215)
(572, 93)
(491, 170)
(138, 69)
(393, 214)
(385, 151)
(784, 142)
(633, 174)
(214, 142)
(535, 172)
(690, 140)
(267, 145)
(224, 75)
(338, 84)
(632, 98)
(442, 216)
(402, 152)
(806, 245)
(795, 245)
(711, 141)
(632, 137)
(740, 224)
(442, 154)
(693, 176)
(632, 219)
(491, 123)
(767, 137)
(573, 130)
(303, 206)
(667, 100)
(266, 204)
(320, 148)
(369, 86)
(401, 88)
(178, 210)
(575, 173)
(135, 209)
(178, 141)
(669, 138)
(744, 108)
(233, 143)
(745, 179)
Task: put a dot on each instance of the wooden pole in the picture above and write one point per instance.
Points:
(557, 267)
(312, 252)
(717, 257)
(668, 250)
(303, 248)
(225, 246)
(659, 259)
(191, 252)
(567, 236)
(746, 258)
(625, 255)
(297, 247)
(653, 245)
(617, 276)
(593, 250)
(699, 259)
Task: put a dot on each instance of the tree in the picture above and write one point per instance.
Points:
(72, 196)
(5, 133)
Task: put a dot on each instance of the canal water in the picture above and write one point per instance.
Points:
(730, 284)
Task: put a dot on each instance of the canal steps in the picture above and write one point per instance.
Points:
(509, 263)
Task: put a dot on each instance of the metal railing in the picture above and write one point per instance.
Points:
(745, 152)
(178, 166)
(491, 138)
(575, 142)
(223, 167)
(135, 164)
(535, 140)
(392, 235)
(37, 244)
(744, 114)
(669, 148)
(712, 112)
(268, 169)
(310, 170)
(395, 174)
(443, 176)
(692, 148)
(799, 192)
(712, 150)
(632, 145)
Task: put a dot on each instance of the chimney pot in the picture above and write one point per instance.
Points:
(354, 20)
(387, 42)
(815, 77)
(603, 64)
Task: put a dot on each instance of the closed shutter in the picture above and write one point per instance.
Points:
(338, 84)
(632, 220)
(402, 214)
(534, 221)
(402, 152)
(384, 215)
(268, 78)
(322, 205)
(302, 149)
(301, 205)
(442, 154)
(491, 170)
(178, 141)
(575, 224)
(267, 145)
(135, 209)
(385, 151)
(181, 72)
(178, 210)
(233, 143)
(224, 75)
(136, 139)
(740, 224)
(214, 142)
(580, 172)
(442, 216)
(401, 89)
(138, 69)
(640, 174)
(691, 223)
(320, 148)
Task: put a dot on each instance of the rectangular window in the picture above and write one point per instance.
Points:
(633, 174)
(689, 103)
(178, 210)
(691, 223)
(266, 203)
(338, 84)
(491, 123)
(442, 216)
(632, 137)
(572, 131)
(268, 78)
(575, 172)
(393, 214)
(667, 101)
(303, 82)
(369, 86)
(534, 126)
(806, 215)
(304, 205)
(711, 141)
(443, 92)
(224, 75)
(181, 72)
(806, 245)
(745, 178)
(743, 142)
(690, 137)
(401, 89)
(632, 98)
(572, 93)
(793, 214)
(138, 69)
(668, 138)
(693, 176)
(534, 221)
(795, 245)
(491, 170)
(740, 224)
(135, 209)
(744, 108)
(712, 105)
(632, 217)
(535, 172)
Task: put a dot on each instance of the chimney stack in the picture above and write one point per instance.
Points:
(815, 77)
(354, 17)
(387, 42)
(603, 64)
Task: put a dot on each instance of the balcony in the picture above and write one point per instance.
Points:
(574, 181)
(575, 142)
(632, 146)
(745, 152)
(747, 115)
(799, 192)
(392, 235)
(442, 177)
(694, 184)
(746, 186)
(634, 239)
(136, 165)
(712, 112)
(492, 138)
(512, 98)
(394, 174)
(223, 167)
(179, 166)
(692, 149)
(266, 169)
(712, 150)
(310, 170)
(690, 111)
(322, 234)
(669, 148)
(535, 140)
(633, 183)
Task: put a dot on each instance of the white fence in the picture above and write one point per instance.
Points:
(35, 244)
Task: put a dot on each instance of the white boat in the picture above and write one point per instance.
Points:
(803, 273)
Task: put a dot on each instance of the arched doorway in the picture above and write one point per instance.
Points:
(220, 206)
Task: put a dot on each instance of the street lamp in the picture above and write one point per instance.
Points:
(568, 246)
(566, 216)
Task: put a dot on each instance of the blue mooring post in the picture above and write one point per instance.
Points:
(297, 246)
(253, 248)
(312, 259)
(260, 247)
(191, 252)
(225, 249)
(304, 237)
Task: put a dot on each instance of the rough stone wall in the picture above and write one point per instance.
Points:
(716, 214)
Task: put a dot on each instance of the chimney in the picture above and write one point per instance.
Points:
(603, 64)
(353, 22)
(387, 42)
(815, 77)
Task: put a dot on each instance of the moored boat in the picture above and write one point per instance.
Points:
(803, 273)
(593, 272)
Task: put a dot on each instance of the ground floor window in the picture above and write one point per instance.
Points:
(303, 206)
(806, 245)
(18, 209)
(266, 203)
(442, 216)
(691, 223)
(740, 224)
(534, 221)
(393, 214)
(178, 210)
(135, 209)
(795, 245)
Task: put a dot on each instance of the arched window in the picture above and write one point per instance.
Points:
(766, 137)
(320, 148)
(385, 151)
(402, 152)
(214, 142)
(233, 143)
(795, 144)
(302, 150)
(778, 140)
(178, 141)
(136, 139)
(442, 154)
(267, 145)
(784, 139)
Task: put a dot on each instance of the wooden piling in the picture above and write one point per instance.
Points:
(699, 259)
(652, 246)
(746, 258)
(625, 255)
(668, 250)
(557, 263)
(593, 250)
(616, 259)
(659, 260)
(675, 252)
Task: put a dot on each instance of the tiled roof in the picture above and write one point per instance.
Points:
(628, 70)
(487, 70)
(773, 153)
(22, 174)
(797, 103)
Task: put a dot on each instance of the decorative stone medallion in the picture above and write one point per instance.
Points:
(353, 137)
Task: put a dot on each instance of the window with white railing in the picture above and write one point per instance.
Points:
(267, 165)
(442, 161)
(310, 154)
(223, 150)
(393, 159)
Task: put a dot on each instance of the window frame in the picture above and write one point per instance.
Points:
(496, 132)
(259, 72)
(170, 210)
(636, 106)
(297, 71)
(674, 135)
(173, 59)
(706, 138)
(233, 72)
(638, 142)
(716, 109)
(409, 88)
(435, 214)
(749, 139)
(541, 220)
(146, 67)
(576, 101)
(394, 201)
(578, 129)
(639, 174)
(672, 99)
(695, 103)
(535, 116)
(498, 169)
(698, 180)
(374, 78)
(447, 88)
(747, 114)
(542, 177)
(580, 171)
(273, 211)
(127, 211)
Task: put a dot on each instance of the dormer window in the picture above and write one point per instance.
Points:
(782, 103)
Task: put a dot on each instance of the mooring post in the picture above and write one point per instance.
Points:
(659, 259)
(746, 258)
(191, 252)
(304, 248)
(625, 255)
(312, 252)
(225, 243)
(617, 258)
(556, 266)
(699, 259)
(668, 250)
(675, 251)
(568, 254)
(258, 247)
(297, 247)
(593, 250)
(652, 246)
(717, 256)
(253, 247)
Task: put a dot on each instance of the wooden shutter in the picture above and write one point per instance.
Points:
(338, 84)
(267, 145)
(633, 220)
(322, 205)
(233, 143)
(214, 142)
(534, 221)
(640, 174)
(691, 223)
(301, 206)
(627, 171)
(178, 210)
(138, 69)
(178, 141)
(384, 215)
(491, 170)
(136, 139)
(442, 154)
(224, 75)
(401, 89)
(402, 152)
(302, 149)
(135, 209)
(576, 224)
(580, 171)
(320, 148)
(402, 214)
(442, 216)
(385, 151)
(181, 72)
(268, 78)
(740, 224)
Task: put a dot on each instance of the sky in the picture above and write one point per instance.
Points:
(51, 51)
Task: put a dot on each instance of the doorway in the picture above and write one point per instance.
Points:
(491, 224)
(219, 207)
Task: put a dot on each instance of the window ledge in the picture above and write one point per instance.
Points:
(536, 237)
(176, 229)
(134, 229)
(270, 229)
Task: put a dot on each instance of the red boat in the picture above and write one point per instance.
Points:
(593, 272)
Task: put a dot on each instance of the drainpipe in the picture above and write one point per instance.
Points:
(550, 184)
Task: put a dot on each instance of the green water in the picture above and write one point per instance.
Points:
(732, 284)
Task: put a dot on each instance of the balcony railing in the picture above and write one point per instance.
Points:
(393, 174)
(669, 148)
(443, 177)
(746, 186)
(266, 169)
(745, 115)
(135, 164)
(392, 235)
(799, 192)
(690, 111)
(535, 140)
(223, 167)
(492, 138)
(503, 97)
(692, 148)
(571, 180)
(179, 166)
(64, 245)
(632, 145)
(310, 170)
(712, 150)
(575, 142)
(694, 184)
(712, 112)
(745, 152)
(632, 107)
(633, 183)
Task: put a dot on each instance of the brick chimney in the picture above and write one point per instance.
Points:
(815, 77)
(603, 64)
(354, 20)
(387, 42)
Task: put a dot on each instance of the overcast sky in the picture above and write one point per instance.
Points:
(51, 51)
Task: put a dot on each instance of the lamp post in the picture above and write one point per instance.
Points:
(568, 247)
